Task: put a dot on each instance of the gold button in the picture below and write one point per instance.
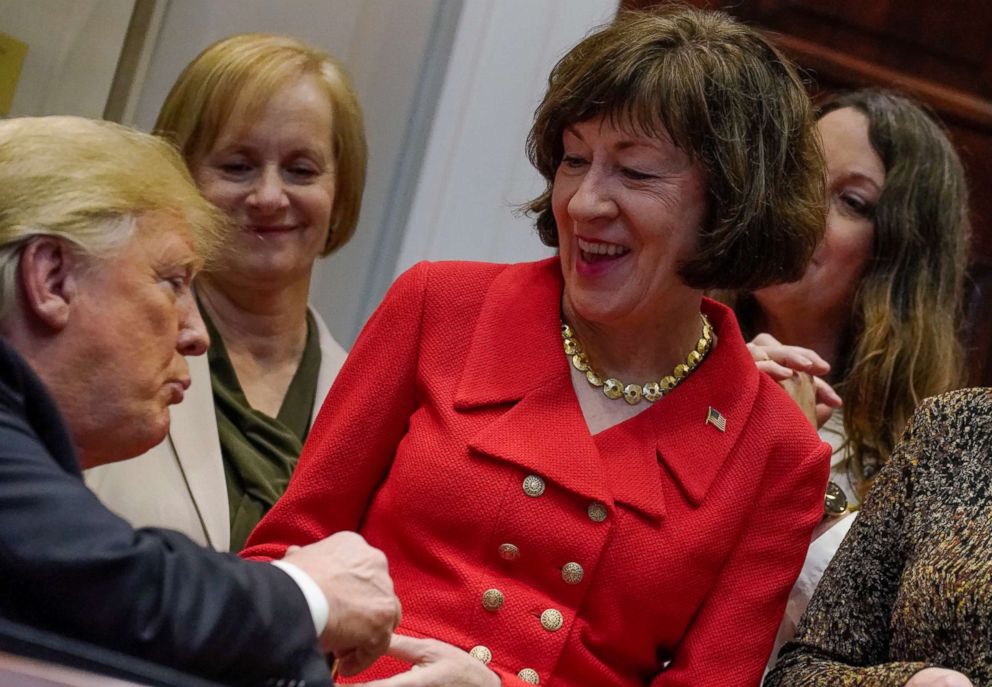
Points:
(533, 486)
(529, 675)
(572, 573)
(492, 599)
(552, 620)
(509, 552)
(482, 653)
(597, 511)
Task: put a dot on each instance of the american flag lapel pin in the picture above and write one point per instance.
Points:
(715, 417)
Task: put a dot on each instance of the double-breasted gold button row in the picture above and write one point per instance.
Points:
(534, 487)
(551, 619)
(492, 600)
(571, 573)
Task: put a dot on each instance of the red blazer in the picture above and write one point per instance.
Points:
(457, 390)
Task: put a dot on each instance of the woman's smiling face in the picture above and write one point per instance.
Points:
(629, 209)
(274, 175)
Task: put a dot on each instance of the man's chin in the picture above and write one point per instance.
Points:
(115, 446)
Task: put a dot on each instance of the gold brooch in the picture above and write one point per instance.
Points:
(834, 501)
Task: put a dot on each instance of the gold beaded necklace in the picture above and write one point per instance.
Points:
(614, 389)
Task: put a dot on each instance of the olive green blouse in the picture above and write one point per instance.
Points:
(259, 451)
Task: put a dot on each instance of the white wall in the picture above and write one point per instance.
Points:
(475, 172)
(73, 48)
(448, 87)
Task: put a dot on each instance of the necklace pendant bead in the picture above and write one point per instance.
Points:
(632, 394)
(651, 391)
(613, 388)
(594, 378)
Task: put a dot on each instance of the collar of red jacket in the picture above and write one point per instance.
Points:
(515, 360)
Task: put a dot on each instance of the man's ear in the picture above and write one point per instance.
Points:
(48, 278)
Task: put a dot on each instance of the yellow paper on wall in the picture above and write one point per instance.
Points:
(12, 52)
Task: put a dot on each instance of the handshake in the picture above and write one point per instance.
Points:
(363, 608)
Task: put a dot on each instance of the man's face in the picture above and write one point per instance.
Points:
(130, 324)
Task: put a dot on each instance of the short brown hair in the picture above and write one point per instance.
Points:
(241, 73)
(731, 100)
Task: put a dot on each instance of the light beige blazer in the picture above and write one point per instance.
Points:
(180, 483)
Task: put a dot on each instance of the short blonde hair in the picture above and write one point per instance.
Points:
(240, 73)
(88, 182)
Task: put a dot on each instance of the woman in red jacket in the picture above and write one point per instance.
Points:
(575, 469)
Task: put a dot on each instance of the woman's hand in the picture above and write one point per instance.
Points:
(797, 370)
(435, 664)
(939, 677)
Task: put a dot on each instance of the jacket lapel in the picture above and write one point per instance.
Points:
(197, 445)
(692, 449)
(515, 359)
(674, 436)
(332, 357)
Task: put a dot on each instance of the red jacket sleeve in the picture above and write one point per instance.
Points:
(353, 441)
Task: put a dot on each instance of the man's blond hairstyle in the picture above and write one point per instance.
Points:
(88, 182)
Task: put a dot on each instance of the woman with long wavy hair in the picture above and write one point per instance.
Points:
(873, 326)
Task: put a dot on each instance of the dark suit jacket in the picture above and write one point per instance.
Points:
(69, 565)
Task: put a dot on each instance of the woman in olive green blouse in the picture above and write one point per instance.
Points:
(272, 132)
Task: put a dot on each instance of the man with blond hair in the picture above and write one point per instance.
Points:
(101, 233)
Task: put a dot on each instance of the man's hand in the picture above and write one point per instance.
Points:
(364, 611)
(938, 677)
(435, 664)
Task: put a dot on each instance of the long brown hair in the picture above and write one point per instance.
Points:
(902, 343)
(905, 330)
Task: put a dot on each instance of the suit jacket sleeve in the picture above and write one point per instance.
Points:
(353, 442)
(69, 565)
(729, 640)
(843, 638)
